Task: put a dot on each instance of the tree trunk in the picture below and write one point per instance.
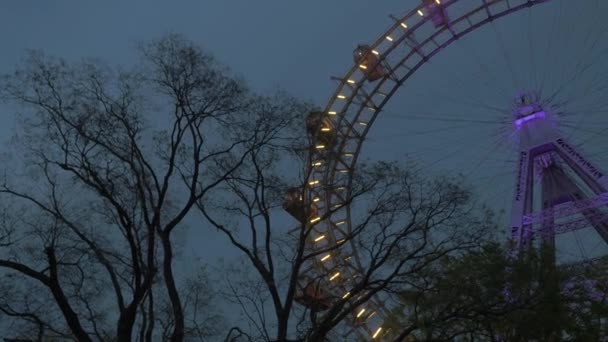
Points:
(69, 314)
(125, 323)
(178, 314)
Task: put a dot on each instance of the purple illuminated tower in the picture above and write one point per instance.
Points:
(572, 190)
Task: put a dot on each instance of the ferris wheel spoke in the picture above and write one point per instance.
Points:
(577, 127)
(506, 56)
(562, 61)
(531, 50)
(461, 80)
(578, 73)
(595, 116)
(426, 132)
(566, 41)
(597, 246)
(498, 143)
(461, 101)
(443, 117)
(493, 82)
(499, 198)
(451, 154)
(465, 142)
(456, 82)
(584, 58)
(547, 58)
(439, 145)
(500, 183)
(595, 135)
(486, 78)
(441, 136)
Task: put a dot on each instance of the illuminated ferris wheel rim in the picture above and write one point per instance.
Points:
(330, 177)
(322, 159)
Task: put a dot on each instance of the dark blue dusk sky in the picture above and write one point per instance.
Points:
(273, 44)
(298, 45)
(295, 45)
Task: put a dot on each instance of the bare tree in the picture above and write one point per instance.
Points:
(107, 166)
(404, 225)
(95, 193)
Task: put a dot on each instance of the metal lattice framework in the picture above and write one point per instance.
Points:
(567, 210)
(406, 46)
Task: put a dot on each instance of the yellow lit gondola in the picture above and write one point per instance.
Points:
(320, 128)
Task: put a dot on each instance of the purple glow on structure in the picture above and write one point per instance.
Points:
(537, 115)
(590, 288)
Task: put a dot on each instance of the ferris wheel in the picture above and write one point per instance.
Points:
(514, 102)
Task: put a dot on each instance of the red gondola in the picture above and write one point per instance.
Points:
(314, 297)
(293, 203)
